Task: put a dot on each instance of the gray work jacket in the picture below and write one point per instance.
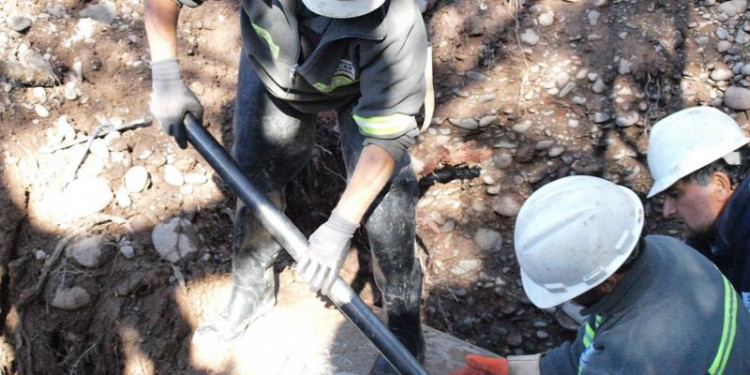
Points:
(377, 59)
(672, 313)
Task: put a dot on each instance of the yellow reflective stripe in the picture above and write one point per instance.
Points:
(714, 369)
(728, 332)
(588, 339)
(336, 82)
(589, 331)
(265, 35)
(728, 351)
(384, 125)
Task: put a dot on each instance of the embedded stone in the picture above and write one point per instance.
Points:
(488, 239)
(175, 239)
(86, 196)
(136, 179)
(87, 252)
(737, 98)
(70, 298)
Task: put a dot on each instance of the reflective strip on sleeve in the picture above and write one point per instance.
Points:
(384, 125)
(728, 331)
(588, 339)
(265, 35)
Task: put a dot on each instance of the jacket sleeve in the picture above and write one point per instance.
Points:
(559, 361)
(392, 84)
(573, 359)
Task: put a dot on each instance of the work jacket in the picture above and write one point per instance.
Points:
(730, 249)
(673, 312)
(377, 59)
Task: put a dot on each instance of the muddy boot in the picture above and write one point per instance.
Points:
(253, 293)
(244, 307)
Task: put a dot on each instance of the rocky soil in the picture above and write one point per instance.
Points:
(112, 238)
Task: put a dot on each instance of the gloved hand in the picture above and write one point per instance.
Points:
(320, 264)
(481, 365)
(172, 99)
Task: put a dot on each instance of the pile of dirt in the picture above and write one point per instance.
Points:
(526, 91)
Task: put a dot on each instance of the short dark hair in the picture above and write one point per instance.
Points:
(736, 173)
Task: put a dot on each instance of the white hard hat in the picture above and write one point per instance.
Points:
(687, 141)
(572, 234)
(342, 8)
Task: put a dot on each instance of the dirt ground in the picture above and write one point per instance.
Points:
(526, 92)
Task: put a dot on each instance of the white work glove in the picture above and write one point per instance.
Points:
(172, 99)
(319, 266)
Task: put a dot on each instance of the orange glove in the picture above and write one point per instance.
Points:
(481, 365)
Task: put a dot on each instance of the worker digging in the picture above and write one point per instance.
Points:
(366, 59)
(353, 67)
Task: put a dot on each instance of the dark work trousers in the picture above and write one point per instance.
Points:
(272, 142)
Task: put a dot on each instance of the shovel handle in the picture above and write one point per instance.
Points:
(295, 243)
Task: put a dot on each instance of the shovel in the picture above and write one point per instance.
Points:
(295, 244)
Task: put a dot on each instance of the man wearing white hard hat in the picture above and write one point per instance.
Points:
(364, 58)
(699, 160)
(655, 305)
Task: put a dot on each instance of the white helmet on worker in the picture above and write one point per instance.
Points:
(342, 8)
(687, 141)
(572, 234)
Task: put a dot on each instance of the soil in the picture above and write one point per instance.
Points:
(526, 132)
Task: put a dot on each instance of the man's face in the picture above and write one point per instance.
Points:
(696, 205)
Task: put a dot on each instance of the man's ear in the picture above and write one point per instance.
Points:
(722, 186)
(609, 285)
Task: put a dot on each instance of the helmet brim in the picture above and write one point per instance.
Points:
(542, 298)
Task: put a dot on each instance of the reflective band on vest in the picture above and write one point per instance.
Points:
(336, 82)
(728, 332)
(384, 125)
(588, 339)
(265, 35)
